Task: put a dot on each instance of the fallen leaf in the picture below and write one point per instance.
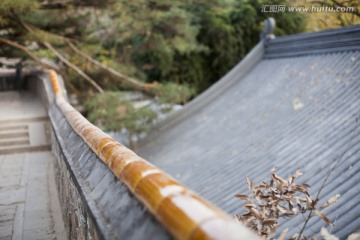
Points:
(305, 185)
(326, 235)
(281, 209)
(309, 202)
(297, 104)
(320, 214)
(283, 234)
(242, 197)
(256, 213)
(270, 221)
(330, 201)
(295, 236)
(249, 205)
(250, 183)
(354, 236)
(283, 182)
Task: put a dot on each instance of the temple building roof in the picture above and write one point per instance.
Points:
(292, 103)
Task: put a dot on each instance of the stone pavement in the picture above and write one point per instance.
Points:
(19, 105)
(29, 205)
(24, 125)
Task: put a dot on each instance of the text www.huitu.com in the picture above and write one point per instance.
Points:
(309, 9)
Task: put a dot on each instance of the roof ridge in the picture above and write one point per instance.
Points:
(333, 40)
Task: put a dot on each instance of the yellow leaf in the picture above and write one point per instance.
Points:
(297, 104)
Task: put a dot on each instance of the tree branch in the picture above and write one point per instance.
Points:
(29, 53)
(52, 6)
(66, 4)
(63, 59)
(348, 147)
(133, 82)
(73, 67)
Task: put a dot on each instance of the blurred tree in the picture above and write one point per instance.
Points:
(113, 105)
(228, 30)
(343, 13)
(184, 42)
(184, 46)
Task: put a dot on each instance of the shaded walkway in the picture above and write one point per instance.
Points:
(29, 206)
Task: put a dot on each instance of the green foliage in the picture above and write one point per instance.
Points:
(139, 120)
(325, 20)
(174, 93)
(112, 112)
(39, 35)
(43, 53)
(184, 46)
(286, 23)
(230, 30)
(153, 33)
(187, 42)
(7, 7)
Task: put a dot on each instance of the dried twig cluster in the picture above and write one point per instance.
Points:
(278, 198)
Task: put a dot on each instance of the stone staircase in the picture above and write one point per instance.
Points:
(24, 135)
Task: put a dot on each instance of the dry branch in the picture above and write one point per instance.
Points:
(328, 175)
(277, 199)
(133, 82)
(25, 50)
(63, 59)
(73, 67)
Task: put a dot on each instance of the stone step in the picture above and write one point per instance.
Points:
(16, 149)
(14, 131)
(22, 120)
(14, 139)
(16, 142)
(6, 128)
(12, 135)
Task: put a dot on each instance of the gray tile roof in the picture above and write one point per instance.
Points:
(289, 110)
(342, 39)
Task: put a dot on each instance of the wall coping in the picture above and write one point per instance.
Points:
(183, 213)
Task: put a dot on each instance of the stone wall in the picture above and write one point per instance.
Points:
(94, 203)
(76, 215)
